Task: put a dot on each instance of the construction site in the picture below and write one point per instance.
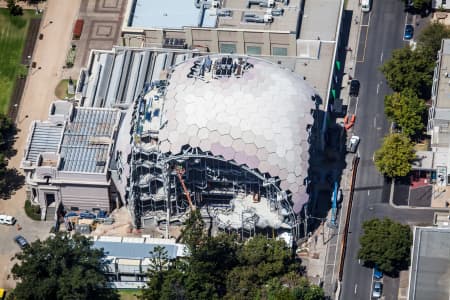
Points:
(226, 135)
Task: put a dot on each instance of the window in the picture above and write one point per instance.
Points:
(253, 50)
(278, 51)
(227, 48)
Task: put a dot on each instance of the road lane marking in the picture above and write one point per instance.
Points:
(371, 286)
(356, 288)
(378, 88)
(375, 122)
(368, 192)
(381, 57)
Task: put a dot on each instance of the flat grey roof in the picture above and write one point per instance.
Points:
(443, 91)
(430, 267)
(86, 140)
(320, 19)
(45, 137)
(133, 250)
(169, 14)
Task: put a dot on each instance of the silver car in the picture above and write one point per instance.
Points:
(353, 144)
(376, 289)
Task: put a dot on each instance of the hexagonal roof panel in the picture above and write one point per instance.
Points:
(258, 119)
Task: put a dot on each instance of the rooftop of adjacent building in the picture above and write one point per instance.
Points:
(138, 248)
(443, 87)
(430, 264)
(243, 14)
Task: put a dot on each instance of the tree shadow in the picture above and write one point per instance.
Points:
(10, 181)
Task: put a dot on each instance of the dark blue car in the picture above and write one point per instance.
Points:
(409, 32)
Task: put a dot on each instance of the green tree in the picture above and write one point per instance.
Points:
(10, 178)
(387, 244)
(260, 260)
(421, 5)
(292, 286)
(394, 157)
(430, 39)
(61, 267)
(193, 232)
(409, 69)
(405, 109)
(159, 263)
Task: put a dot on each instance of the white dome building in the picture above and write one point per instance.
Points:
(239, 128)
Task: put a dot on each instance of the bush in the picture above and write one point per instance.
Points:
(32, 211)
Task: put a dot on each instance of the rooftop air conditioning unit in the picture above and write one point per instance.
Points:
(216, 4)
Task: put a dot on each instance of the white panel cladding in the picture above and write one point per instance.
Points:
(85, 197)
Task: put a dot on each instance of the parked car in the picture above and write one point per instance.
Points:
(2, 294)
(8, 220)
(409, 32)
(353, 143)
(21, 241)
(354, 88)
(377, 289)
(377, 274)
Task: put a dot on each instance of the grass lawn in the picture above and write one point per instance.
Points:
(128, 294)
(61, 91)
(13, 31)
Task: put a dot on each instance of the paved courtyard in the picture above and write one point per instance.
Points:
(101, 30)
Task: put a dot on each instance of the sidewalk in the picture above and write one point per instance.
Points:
(324, 245)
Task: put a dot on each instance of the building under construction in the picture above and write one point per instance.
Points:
(224, 134)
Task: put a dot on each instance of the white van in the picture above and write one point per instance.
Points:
(8, 220)
(366, 5)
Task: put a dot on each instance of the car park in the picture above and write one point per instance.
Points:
(354, 88)
(409, 32)
(21, 241)
(353, 143)
(8, 220)
(377, 289)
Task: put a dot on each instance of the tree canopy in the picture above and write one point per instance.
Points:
(10, 178)
(61, 267)
(223, 267)
(405, 109)
(430, 39)
(395, 155)
(409, 69)
(386, 244)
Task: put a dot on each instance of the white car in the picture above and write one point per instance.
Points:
(8, 220)
(353, 144)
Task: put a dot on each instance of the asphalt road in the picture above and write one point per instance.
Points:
(383, 34)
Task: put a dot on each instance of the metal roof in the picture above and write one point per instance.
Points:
(45, 137)
(116, 78)
(169, 14)
(86, 140)
(430, 264)
(134, 250)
